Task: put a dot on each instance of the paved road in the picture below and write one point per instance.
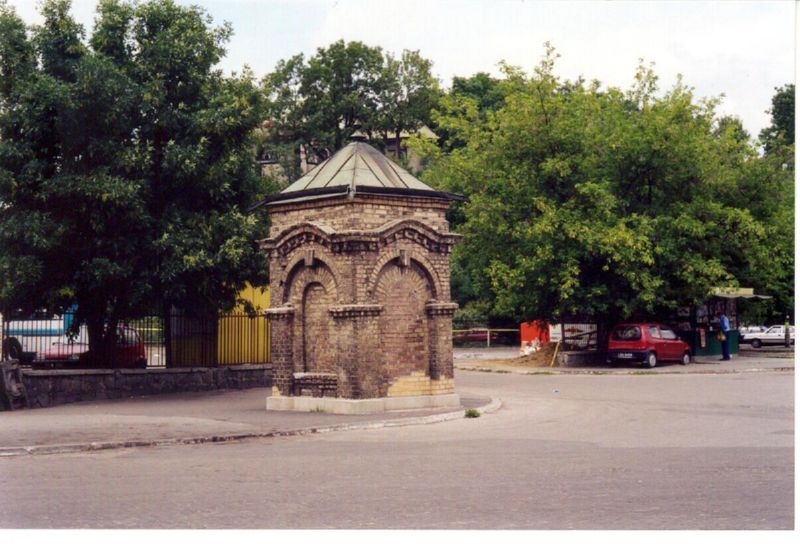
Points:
(565, 451)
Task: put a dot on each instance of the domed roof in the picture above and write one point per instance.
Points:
(357, 168)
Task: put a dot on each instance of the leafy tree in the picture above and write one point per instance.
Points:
(125, 164)
(486, 90)
(605, 204)
(315, 105)
(339, 86)
(781, 130)
(408, 93)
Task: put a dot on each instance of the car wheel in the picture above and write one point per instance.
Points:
(756, 343)
(686, 359)
(651, 360)
(12, 349)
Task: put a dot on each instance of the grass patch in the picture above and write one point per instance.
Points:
(471, 412)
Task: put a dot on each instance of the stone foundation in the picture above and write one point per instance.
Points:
(361, 406)
(53, 387)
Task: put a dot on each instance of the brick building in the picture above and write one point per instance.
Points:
(360, 311)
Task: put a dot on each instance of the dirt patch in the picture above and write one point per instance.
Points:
(538, 359)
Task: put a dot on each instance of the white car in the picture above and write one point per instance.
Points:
(775, 335)
(751, 329)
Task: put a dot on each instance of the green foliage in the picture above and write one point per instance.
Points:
(408, 93)
(481, 87)
(125, 163)
(471, 413)
(606, 203)
(781, 130)
(316, 104)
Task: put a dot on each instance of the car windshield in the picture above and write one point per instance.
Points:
(629, 332)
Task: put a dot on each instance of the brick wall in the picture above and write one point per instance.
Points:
(352, 283)
(362, 212)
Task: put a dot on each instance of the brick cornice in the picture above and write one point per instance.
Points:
(355, 310)
(280, 312)
(441, 308)
(361, 240)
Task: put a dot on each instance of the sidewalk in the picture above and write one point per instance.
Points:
(186, 418)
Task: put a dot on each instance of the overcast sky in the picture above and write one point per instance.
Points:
(742, 49)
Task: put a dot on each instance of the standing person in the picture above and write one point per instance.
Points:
(787, 338)
(725, 327)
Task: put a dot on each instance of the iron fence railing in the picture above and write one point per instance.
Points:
(178, 340)
(485, 337)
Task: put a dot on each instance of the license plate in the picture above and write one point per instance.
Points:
(625, 355)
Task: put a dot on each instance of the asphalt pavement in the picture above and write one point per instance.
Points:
(565, 451)
(220, 416)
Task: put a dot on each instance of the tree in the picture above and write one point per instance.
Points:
(604, 204)
(781, 130)
(408, 93)
(339, 86)
(486, 90)
(315, 105)
(125, 165)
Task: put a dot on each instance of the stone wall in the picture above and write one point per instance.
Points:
(53, 387)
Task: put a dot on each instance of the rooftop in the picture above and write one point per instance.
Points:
(357, 168)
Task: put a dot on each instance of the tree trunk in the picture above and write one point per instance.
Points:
(397, 142)
(603, 329)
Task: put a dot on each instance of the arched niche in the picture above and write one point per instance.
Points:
(311, 288)
(403, 291)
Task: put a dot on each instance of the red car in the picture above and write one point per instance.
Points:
(647, 343)
(127, 353)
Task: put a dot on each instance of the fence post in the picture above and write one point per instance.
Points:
(167, 340)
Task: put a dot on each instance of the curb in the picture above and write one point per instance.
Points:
(538, 371)
(489, 408)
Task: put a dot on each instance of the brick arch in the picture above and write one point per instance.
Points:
(303, 233)
(312, 291)
(393, 258)
(317, 329)
(300, 274)
(403, 324)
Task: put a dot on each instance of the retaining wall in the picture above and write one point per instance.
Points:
(580, 358)
(52, 387)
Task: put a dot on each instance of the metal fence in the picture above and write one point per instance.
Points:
(179, 340)
(483, 337)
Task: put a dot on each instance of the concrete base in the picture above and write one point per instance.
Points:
(361, 406)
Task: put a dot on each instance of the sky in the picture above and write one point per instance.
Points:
(742, 49)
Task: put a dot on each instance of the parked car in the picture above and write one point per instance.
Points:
(775, 335)
(751, 329)
(646, 343)
(64, 350)
(474, 335)
(128, 352)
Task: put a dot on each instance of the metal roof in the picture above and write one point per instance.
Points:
(356, 168)
(357, 163)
